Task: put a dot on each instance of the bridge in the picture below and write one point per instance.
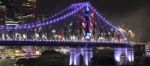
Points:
(79, 25)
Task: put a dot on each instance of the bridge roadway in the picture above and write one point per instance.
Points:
(62, 43)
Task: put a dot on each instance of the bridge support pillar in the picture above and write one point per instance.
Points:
(123, 55)
(80, 56)
(3, 36)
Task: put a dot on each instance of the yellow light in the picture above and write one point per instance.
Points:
(37, 52)
(17, 51)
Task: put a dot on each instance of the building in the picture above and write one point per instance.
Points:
(19, 11)
(11, 10)
(29, 10)
(2, 14)
(147, 50)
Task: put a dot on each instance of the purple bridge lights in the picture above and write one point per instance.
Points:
(79, 24)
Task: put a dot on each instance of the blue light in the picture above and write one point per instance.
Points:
(88, 36)
(87, 9)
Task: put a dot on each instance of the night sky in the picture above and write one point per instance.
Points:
(134, 14)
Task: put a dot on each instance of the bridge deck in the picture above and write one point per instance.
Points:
(55, 43)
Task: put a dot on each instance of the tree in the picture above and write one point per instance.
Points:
(103, 57)
(21, 61)
(142, 61)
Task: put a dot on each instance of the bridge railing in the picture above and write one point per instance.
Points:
(62, 40)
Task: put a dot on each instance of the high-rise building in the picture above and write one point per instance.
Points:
(19, 11)
(2, 14)
(10, 8)
(29, 10)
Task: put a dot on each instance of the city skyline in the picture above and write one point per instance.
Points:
(74, 33)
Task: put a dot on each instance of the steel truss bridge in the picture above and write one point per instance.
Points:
(80, 24)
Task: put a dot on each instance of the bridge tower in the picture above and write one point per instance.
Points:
(85, 52)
